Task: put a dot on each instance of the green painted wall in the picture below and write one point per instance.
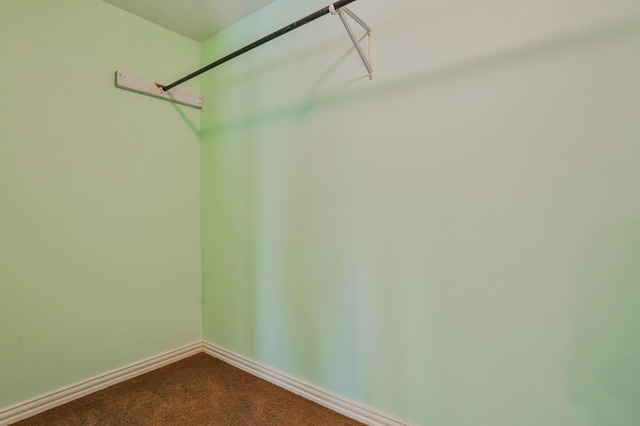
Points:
(99, 196)
(455, 242)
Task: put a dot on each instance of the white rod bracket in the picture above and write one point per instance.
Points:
(366, 60)
(130, 82)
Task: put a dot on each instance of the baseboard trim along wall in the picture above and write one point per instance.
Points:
(66, 394)
(333, 401)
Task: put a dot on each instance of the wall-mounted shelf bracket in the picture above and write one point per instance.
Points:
(148, 87)
(367, 60)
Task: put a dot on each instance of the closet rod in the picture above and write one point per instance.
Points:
(320, 13)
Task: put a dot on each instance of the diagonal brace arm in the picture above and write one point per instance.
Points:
(367, 61)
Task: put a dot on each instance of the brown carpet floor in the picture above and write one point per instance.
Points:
(199, 390)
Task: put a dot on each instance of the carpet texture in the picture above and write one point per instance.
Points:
(199, 390)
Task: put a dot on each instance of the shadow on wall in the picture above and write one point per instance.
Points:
(605, 355)
(180, 110)
(300, 55)
(297, 110)
(571, 41)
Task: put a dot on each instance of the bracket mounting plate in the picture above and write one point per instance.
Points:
(130, 82)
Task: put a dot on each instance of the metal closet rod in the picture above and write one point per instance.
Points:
(282, 31)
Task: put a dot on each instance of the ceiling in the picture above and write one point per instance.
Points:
(196, 19)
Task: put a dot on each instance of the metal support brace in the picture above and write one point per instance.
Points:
(367, 61)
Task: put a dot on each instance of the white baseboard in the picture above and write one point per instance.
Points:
(61, 396)
(333, 401)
